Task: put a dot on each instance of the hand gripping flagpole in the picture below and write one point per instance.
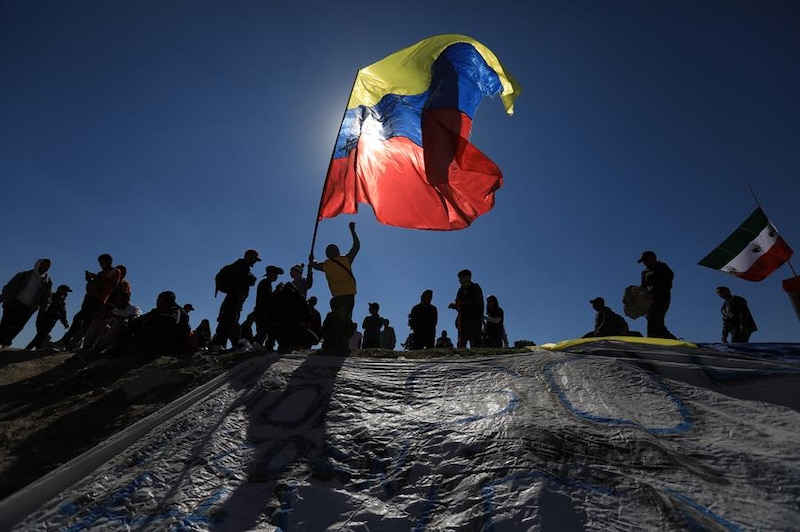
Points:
(328, 173)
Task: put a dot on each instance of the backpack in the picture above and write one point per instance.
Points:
(224, 279)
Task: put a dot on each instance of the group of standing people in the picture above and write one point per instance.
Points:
(283, 315)
(654, 296)
(479, 323)
(106, 319)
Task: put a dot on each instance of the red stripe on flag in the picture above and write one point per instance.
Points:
(767, 263)
(391, 177)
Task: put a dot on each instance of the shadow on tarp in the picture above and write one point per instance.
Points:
(18, 505)
(300, 410)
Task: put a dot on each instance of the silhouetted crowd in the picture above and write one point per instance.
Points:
(286, 319)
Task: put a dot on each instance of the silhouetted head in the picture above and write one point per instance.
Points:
(332, 251)
(724, 292)
(296, 271)
(63, 289)
(648, 258)
(374, 308)
(123, 270)
(166, 299)
(105, 260)
(491, 302)
(465, 277)
(597, 303)
(312, 300)
(273, 272)
(41, 266)
(251, 256)
(426, 297)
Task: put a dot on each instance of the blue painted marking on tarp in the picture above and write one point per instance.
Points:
(703, 510)
(681, 427)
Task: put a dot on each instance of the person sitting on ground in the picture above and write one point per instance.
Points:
(98, 287)
(110, 329)
(388, 337)
(372, 327)
(201, 337)
(606, 321)
(355, 337)
(444, 341)
(52, 311)
(165, 329)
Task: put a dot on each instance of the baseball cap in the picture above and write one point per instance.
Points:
(597, 300)
(646, 254)
(252, 253)
(64, 288)
(276, 269)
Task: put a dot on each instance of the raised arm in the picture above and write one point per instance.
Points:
(356, 243)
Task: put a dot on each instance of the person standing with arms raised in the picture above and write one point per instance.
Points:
(342, 283)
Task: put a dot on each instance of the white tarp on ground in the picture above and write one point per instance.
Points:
(599, 436)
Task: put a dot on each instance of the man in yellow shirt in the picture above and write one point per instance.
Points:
(339, 274)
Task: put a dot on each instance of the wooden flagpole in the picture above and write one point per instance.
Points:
(789, 262)
(328, 172)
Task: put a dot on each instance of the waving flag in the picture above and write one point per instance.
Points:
(403, 146)
(752, 252)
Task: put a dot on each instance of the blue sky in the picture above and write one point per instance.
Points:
(175, 135)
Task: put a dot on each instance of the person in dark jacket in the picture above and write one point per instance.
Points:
(606, 321)
(165, 329)
(494, 327)
(737, 321)
(239, 281)
(26, 292)
(657, 279)
(314, 323)
(52, 311)
(422, 321)
(469, 305)
(372, 327)
(263, 312)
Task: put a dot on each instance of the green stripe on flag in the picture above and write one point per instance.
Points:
(738, 241)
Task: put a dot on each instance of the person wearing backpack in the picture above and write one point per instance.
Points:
(233, 280)
(342, 283)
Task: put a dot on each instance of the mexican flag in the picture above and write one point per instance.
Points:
(752, 252)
